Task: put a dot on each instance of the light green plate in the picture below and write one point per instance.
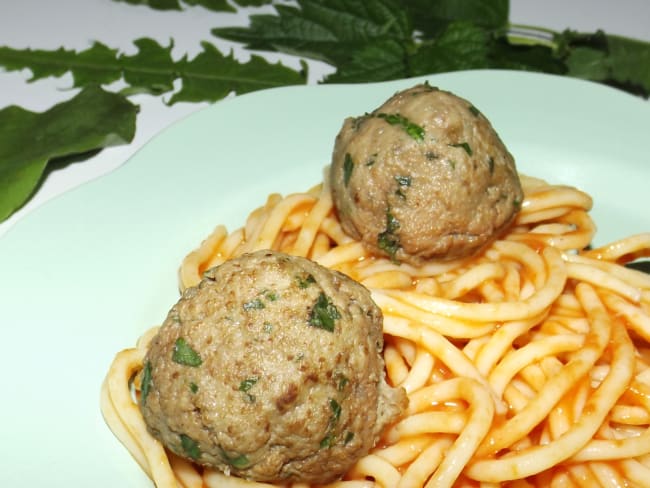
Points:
(86, 274)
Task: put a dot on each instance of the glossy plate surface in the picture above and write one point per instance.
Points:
(87, 273)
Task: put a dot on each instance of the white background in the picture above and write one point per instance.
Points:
(75, 24)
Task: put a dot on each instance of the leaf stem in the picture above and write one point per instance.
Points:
(531, 34)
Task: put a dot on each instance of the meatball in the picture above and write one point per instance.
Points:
(423, 177)
(270, 369)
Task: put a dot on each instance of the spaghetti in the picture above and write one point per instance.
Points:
(526, 365)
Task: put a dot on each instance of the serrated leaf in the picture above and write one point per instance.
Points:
(588, 63)
(151, 69)
(215, 5)
(96, 65)
(211, 76)
(629, 62)
(431, 17)
(40, 62)
(504, 55)
(156, 4)
(328, 30)
(380, 61)
(91, 120)
(612, 59)
(462, 45)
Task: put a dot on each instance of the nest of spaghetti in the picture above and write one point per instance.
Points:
(524, 365)
(522, 351)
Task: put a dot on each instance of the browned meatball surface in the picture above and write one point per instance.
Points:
(270, 369)
(424, 176)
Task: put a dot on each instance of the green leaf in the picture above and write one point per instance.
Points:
(629, 61)
(151, 70)
(211, 76)
(91, 120)
(329, 30)
(462, 45)
(42, 63)
(506, 55)
(215, 5)
(612, 59)
(96, 65)
(380, 61)
(156, 4)
(433, 16)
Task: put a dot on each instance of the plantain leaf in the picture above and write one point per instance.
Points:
(211, 76)
(91, 120)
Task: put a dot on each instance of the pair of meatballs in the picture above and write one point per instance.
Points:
(271, 368)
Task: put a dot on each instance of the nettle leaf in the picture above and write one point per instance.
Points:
(328, 30)
(211, 76)
(629, 62)
(505, 55)
(612, 59)
(91, 120)
(433, 16)
(462, 45)
(380, 61)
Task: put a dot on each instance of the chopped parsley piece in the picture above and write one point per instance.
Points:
(145, 385)
(336, 411)
(327, 441)
(246, 385)
(254, 304)
(348, 437)
(185, 355)
(516, 203)
(240, 461)
(403, 180)
(348, 166)
(388, 241)
(324, 313)
(305, 282)
(475, 112)
(271, 296)
(415, 131)
(268, 327)
(464, 146)
(343, 381)
(190, 447)
(194, 387)
(491, 164)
